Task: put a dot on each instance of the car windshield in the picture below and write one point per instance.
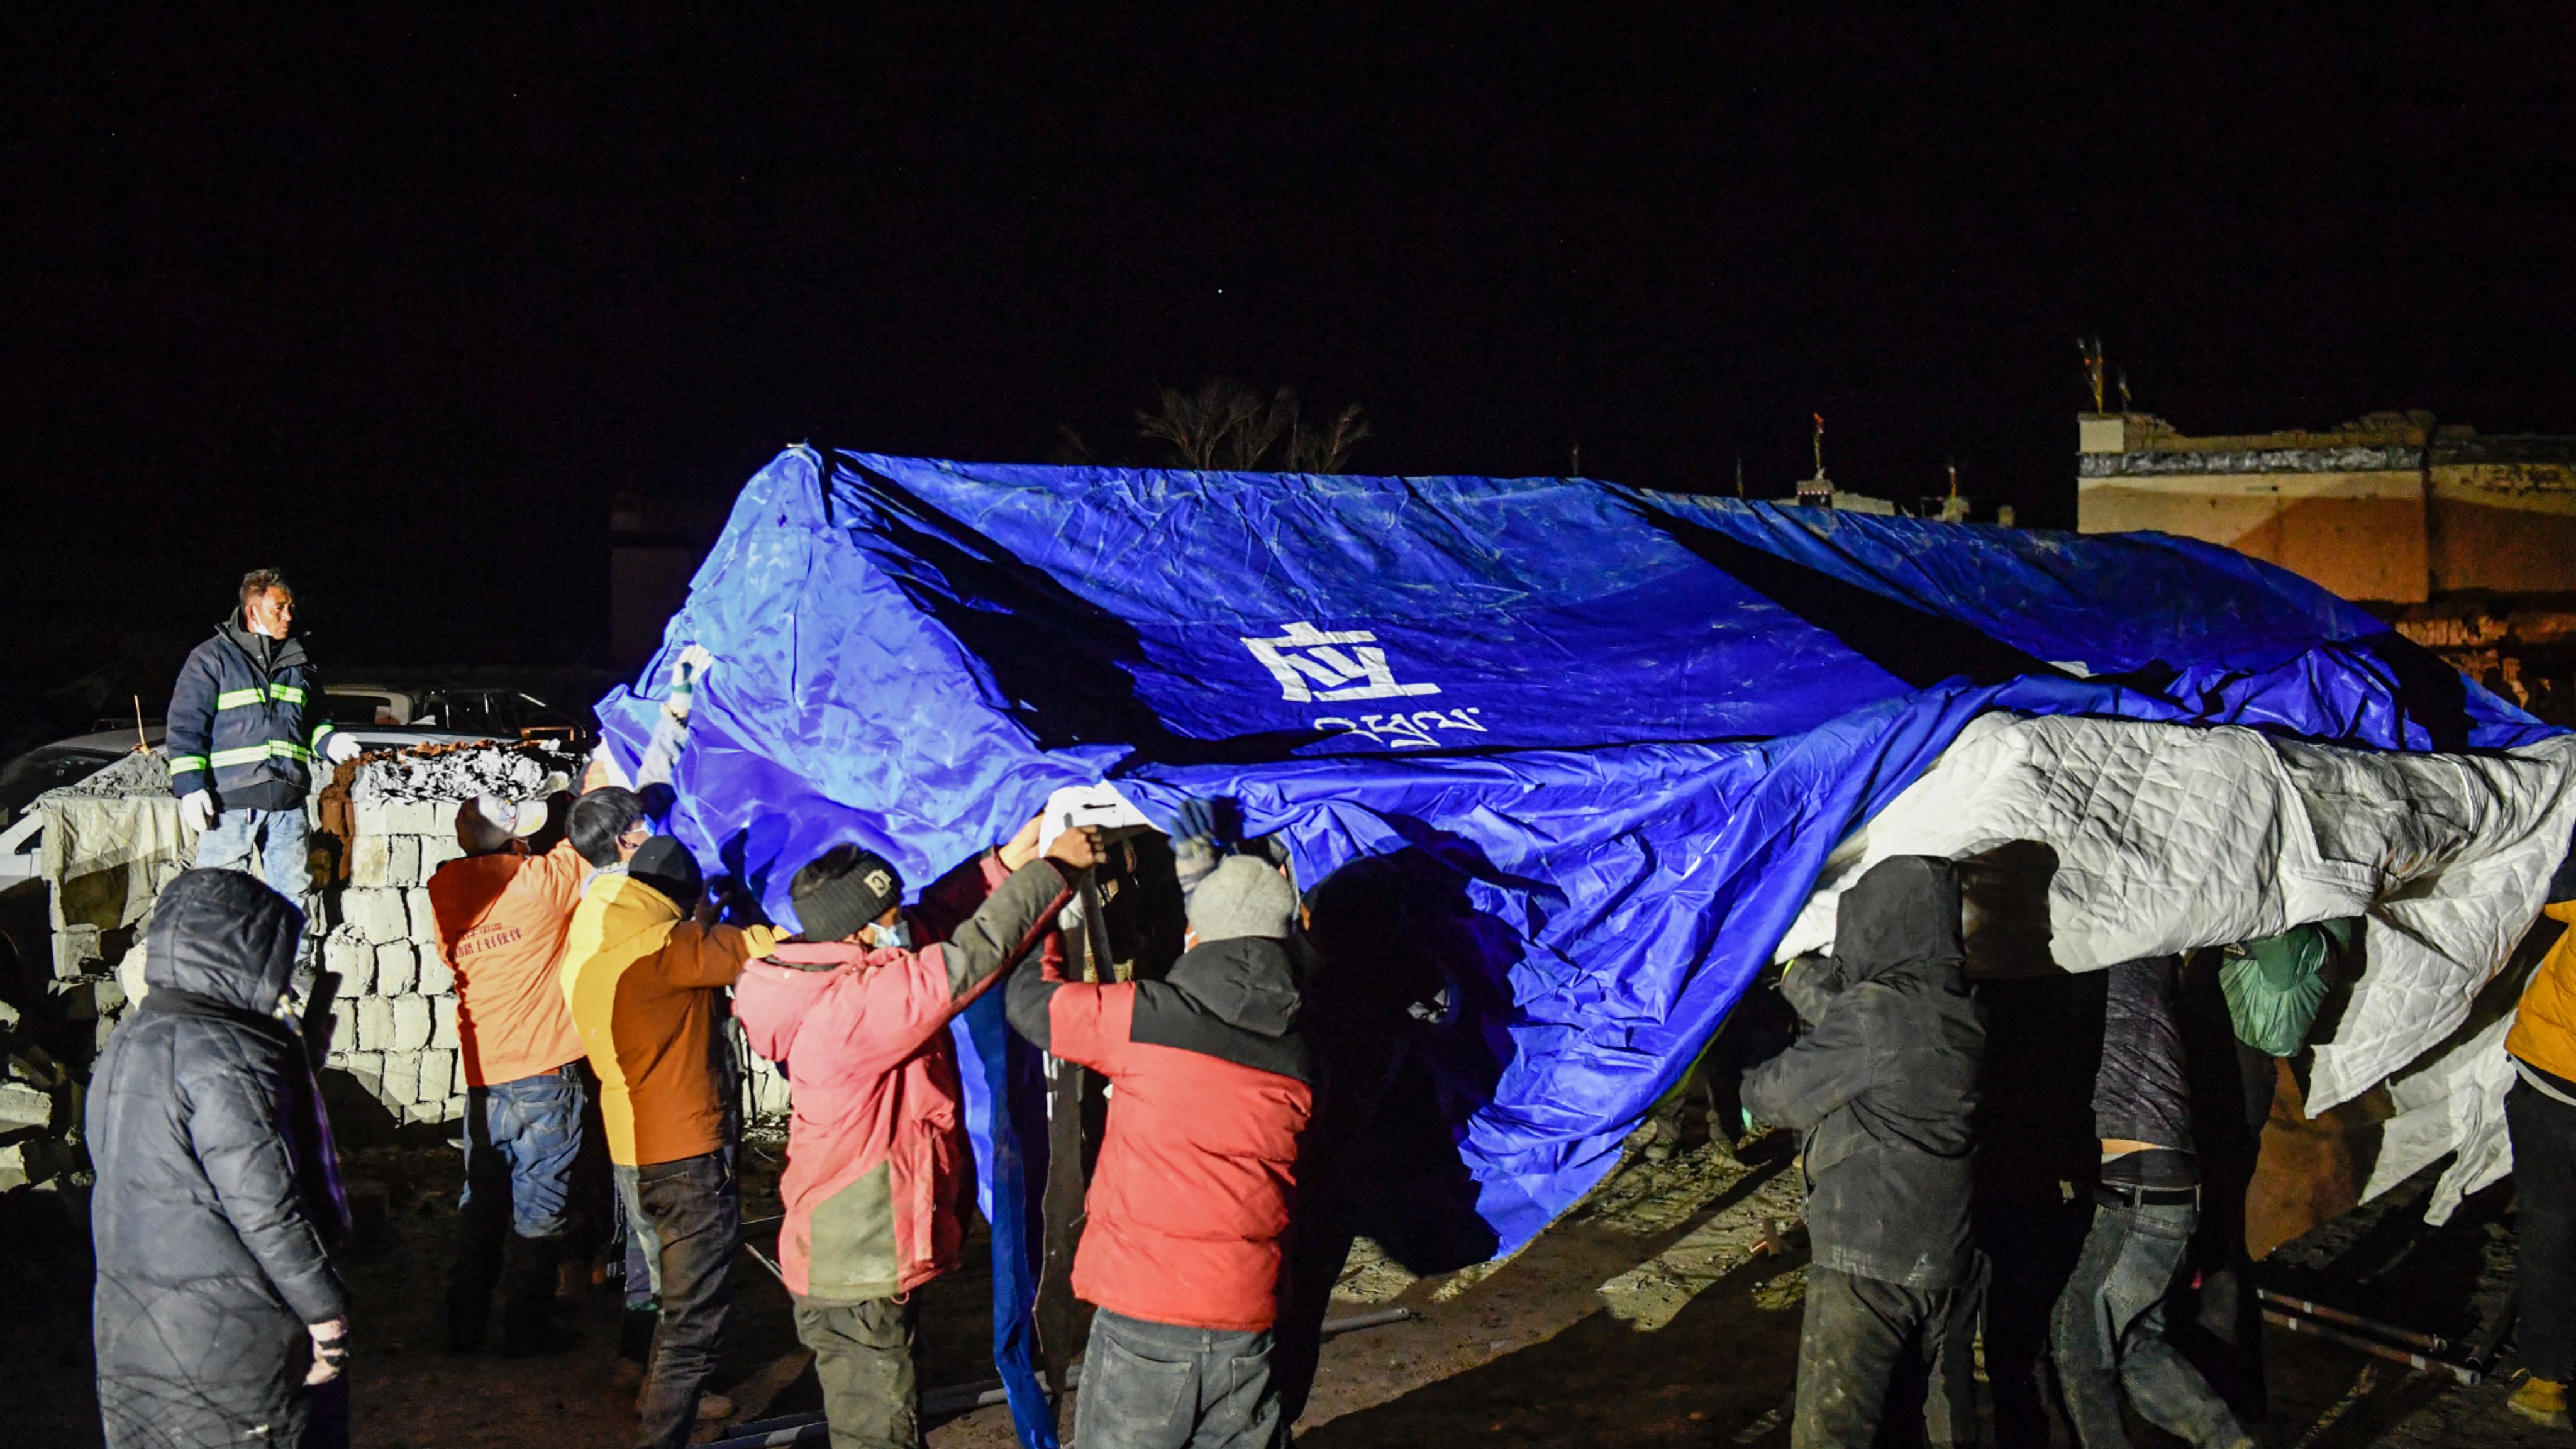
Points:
(37, 771)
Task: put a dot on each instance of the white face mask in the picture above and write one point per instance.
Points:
(897, 937)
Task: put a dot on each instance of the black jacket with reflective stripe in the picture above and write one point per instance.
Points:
(246, 720)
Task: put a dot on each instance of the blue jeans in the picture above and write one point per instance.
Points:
(2109, 1332)
(275, 837)
(1160, 1386)
(520, 1141)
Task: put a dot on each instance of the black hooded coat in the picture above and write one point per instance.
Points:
(214, 1208)
(1885, 1083)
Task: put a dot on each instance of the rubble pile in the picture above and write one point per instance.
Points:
(39, 1113)
(460, 772)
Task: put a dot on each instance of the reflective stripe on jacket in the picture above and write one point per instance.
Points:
(238, 727)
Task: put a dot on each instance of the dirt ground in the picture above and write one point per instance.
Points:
(1524, 1354)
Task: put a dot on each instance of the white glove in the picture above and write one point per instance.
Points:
(687, 672)
(197, 810)
(342, 747)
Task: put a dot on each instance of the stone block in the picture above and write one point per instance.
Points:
(437, 1072)
(344, 1025)
(367, 817)
(442, 1021)
(435, 978)
(378, 915)
(402, 1079)
(75, 947)
(438, 850)
(420, 817)
(367, 1069)
(411, 1022)
(23, 1106)
(456, 1083)
(397, 968)
(347, 955)
(424, 919)
(371, 863)
(436, 1112)
(402, 866)
(375, 1024)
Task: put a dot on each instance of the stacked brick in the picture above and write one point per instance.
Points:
(394, 1020)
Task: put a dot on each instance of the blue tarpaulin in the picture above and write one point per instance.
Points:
(1631, 723)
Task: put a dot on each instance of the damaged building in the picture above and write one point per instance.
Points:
(2465, 541)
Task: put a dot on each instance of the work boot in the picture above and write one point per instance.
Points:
(2542, 1402)
(634, 1346)
(528, 1324)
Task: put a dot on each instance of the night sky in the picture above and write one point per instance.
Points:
(400, 303)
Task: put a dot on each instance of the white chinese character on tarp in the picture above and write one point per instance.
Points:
(1311, 665)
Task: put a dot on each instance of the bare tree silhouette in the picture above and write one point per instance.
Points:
(1224, 424)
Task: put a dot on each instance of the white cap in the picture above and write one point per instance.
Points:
(521, 820)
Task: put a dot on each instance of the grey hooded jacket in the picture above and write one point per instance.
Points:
(1885, 1083)
(214, 1208)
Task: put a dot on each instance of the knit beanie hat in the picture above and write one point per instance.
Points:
(835, 909)
(1243, 897)
(666, 865)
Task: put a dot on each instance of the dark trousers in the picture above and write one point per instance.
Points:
(1861, 1338)
(693, 1208)
(521, 1140)
(1161, 1386)
(2544, 1229)
(2108, 1333)
(864, 1357)
(2030, 1248)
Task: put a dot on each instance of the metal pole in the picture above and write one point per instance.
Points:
(2372, 1346)
(2425, 1341)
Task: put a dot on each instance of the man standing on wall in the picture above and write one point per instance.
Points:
(246, 725)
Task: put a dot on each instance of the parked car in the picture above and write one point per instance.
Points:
(501, 714)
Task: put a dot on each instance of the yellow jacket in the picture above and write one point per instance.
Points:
(2544, 1027)
(640, 981)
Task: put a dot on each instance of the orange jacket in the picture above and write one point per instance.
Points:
(2544, 1027)
(641, 981)
(875, 1157)
(501, 925)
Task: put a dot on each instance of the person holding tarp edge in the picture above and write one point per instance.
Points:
(1884, 1087)
(642, 967)
(1211, 1085)
(2108, 1329)
(855, 1011)
(2540, 1116)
